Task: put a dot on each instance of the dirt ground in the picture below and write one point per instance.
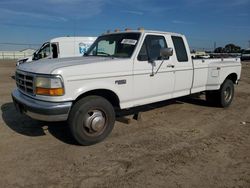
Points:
(182, 143)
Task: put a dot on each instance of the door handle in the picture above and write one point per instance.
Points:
(170, 66)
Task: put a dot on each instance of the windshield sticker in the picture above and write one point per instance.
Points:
(129, 41)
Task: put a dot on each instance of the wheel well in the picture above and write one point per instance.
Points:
(232, 77)
(107, 94)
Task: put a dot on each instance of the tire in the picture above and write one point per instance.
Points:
(222, 97)
(91, 120)
(226, 93)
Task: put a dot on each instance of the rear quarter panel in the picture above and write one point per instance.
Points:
(210, 74)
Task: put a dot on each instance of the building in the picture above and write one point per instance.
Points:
(16, 54)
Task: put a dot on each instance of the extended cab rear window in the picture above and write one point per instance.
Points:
(180, 49)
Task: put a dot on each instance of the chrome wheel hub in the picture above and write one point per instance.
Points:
(228, 94)
(94, 121)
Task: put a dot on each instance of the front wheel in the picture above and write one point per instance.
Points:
(91, 120)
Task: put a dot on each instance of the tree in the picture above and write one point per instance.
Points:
(232, 48)
(218, 50)
(229, 48)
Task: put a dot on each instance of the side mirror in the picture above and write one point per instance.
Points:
(166, 52)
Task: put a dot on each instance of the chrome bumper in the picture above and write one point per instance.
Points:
(41, 110)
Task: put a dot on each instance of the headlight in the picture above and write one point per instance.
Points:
(51, 86)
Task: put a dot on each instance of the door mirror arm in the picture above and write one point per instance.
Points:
(152, 62)
(154, 73)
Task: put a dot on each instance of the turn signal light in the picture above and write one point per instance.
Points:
(50, 91)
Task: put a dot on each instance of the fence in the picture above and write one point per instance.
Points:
(14, 54)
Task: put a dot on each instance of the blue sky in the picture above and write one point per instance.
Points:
(202, 21)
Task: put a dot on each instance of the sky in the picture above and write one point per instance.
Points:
(204, 22)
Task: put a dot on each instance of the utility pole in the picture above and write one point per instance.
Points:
(214, 45)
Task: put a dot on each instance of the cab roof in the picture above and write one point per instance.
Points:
(144, 32)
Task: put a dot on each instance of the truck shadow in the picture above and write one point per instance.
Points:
(24, 125)
(145, 108)
(195, 99)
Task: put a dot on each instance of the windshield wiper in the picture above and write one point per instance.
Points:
(101, 53)
(104, 53)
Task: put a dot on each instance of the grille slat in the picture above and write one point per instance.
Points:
(25, 82)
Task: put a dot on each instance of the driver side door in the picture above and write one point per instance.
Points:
(148, 86)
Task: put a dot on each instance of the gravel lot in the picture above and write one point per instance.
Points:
(181, 143)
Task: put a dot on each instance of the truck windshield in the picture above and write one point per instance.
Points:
(114, 45)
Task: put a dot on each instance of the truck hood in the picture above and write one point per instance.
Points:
(47, 66)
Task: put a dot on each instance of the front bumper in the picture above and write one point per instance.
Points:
(41, 110)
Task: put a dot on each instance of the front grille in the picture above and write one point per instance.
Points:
(25, 82)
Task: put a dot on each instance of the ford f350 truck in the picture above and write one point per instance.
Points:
(120, 70)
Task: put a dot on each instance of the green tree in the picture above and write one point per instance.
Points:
(218, 50)
(232, 48)
(229, 48)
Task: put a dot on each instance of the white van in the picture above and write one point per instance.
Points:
(60, 47)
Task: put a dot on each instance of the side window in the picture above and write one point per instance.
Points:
(54, 50)
(151, 48)
(180, 49)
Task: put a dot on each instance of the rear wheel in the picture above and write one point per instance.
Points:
(91, 120)
(226, 93)
(222, 97)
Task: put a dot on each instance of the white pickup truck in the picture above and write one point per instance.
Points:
(120, 70)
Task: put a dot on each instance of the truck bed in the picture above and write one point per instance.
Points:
(210, 73)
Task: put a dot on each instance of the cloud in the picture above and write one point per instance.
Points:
(243, 14)
(143, 6)
(239, 27)
(216, 3)
(33, 14)
(182, 22)
(65, 1)
(238, 2)
(50, 10)
(132, 12)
